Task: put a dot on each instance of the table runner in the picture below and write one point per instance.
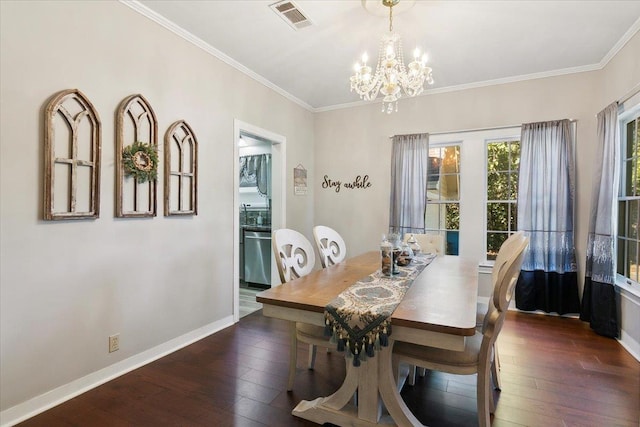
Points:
(358, 320)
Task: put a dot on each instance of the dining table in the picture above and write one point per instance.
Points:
(437, 310)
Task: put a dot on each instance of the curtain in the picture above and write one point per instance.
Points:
(599, 304)
(548, 280)
(408, 199)
(263, 175)
(255, 171)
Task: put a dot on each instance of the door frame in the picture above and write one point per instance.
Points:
(278, 197)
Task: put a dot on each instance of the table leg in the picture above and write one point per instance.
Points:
(375, 383)
(369, 404)
(390, 394)
(293, 355)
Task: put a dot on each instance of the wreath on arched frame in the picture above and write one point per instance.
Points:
(140, 160)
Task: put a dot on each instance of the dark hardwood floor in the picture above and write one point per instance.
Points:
(555, 372)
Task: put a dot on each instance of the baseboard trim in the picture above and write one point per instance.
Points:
(48, 400)
(629, 344)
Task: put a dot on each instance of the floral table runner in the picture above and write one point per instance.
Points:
(358, 320)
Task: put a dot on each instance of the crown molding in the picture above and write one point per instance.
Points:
(176, 29)
(621, 43)
(475, 85)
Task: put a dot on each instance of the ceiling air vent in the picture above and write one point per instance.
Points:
(291, 13)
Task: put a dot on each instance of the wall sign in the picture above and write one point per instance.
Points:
(299, 180)
(360, 182)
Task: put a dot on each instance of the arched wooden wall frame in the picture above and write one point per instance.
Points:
(61, 106)
(180, 137)
(125, 112)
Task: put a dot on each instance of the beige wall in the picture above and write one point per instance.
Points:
(622, 74)
(67, 286)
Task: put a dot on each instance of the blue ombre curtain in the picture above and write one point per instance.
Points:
(548, 280)
(408, 199)
(599, 301)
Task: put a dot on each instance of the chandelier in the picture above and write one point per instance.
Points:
(391, 76)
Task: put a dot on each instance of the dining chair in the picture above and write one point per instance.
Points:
(331, 246)
(504, 253)
(476, 356)
(295, 258)
(429, 243)
(482, 308)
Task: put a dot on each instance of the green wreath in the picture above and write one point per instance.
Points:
(140, 161)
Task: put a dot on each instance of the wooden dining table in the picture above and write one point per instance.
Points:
(438, 310)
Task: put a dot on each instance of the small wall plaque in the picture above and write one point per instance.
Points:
(299, 180)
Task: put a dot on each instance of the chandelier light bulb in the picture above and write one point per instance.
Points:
(390, 51)
(391, 76)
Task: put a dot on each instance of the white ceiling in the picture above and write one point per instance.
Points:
(469, 43)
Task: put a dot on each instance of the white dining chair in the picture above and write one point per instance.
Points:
(476, 356)
(505, 251)
(330, 244)
(295, 258)
(429, 243)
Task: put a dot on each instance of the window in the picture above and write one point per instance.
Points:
(443, 195)
(629, 199)
(503, 159)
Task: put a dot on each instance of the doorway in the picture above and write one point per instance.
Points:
(259, 207)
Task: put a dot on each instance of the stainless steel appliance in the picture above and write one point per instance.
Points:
(257, 257)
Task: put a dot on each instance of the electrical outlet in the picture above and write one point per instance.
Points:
(114, 343)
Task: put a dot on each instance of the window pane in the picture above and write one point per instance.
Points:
(433, 194)
(498, 186)
(494, 241)
(432, 220)
(513, 186)
(632, 271)
(622, 215)
(513, 214)
(433, 187)
(452, 243)
(492, 157)
(449, 187)
(497, 216)
(632, 224)
(450, 162)
(636, 176)
(631, 147)
(453, 216)
(620, 261)
(433, 167)
(629, 177)
(502, 156)
(515, 155)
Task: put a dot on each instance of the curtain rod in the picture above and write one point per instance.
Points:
(474, 130)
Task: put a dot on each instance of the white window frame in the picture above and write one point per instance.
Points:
(440, 145)
(473, 177)
(486, 188)
(622, 281)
